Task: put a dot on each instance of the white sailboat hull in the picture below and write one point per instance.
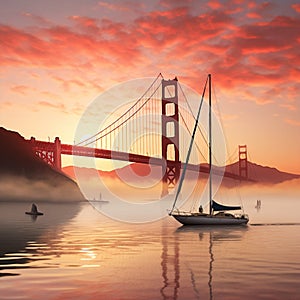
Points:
(210, 220)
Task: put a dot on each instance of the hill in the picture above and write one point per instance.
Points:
(263, 174)
(141, 172)
(24, 176)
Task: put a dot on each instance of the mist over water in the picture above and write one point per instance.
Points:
(279, 202)
(19, 188)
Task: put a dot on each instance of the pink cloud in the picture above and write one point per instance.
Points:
(21, 48)
(259, 55)
(170, 30)
(267, 37)
(172, 39)
(59, 46)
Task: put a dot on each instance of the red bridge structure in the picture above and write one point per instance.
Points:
(148, 133)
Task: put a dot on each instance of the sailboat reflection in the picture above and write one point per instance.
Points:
(210, 266)
(192, 242)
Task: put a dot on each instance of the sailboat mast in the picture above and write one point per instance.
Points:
(190, 150)
(210, 145)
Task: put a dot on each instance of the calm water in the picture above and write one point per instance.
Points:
(74, 252)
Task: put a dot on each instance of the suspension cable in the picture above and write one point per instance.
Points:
(122, 123)
(128, 110)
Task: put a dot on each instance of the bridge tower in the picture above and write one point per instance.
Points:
(243, 162)
(170, 134)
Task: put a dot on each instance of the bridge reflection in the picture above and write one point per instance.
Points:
(190, 251)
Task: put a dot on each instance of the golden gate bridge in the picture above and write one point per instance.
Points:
(153, 130)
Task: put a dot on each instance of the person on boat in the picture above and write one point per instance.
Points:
(34, 208)
(200, 209)
(258, 204)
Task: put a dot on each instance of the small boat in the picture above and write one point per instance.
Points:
(258, 204)
(100, 200)
(34, 211)
(218, 214)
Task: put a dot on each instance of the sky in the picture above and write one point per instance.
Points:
(57, 56)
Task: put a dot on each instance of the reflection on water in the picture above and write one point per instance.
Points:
(207, 235)
(170, 257)
(73, 252)
(210, 266)
(170, 288)
(20, 233)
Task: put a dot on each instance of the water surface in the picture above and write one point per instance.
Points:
(74, 252)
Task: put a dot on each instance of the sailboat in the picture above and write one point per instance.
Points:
(218, 214)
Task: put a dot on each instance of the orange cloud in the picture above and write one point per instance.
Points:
(214, 4)
(68, 83)
(296, 7)
(113, 7)
(289, 106)
(293, 122)
(37, 19)
(253, 15)
(21, 89)
(86, 25)
(6, 104)
(59, 106)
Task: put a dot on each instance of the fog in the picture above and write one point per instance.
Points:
(18, 188)
(286, 189)
(143, 188)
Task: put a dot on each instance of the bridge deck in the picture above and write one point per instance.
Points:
(123, 156)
